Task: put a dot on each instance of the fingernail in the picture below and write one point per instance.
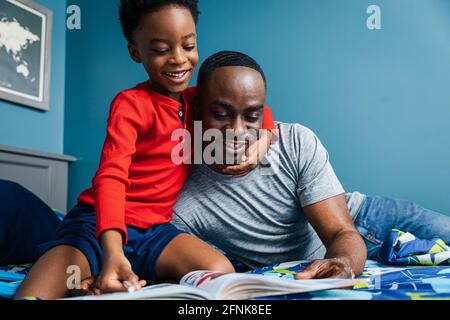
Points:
(130, 287)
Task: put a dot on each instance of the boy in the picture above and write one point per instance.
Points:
(120, 232)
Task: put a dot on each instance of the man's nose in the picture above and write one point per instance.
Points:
(239, 128)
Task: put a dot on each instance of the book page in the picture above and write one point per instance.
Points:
(247, 286)
(212, 282)
(156, 292)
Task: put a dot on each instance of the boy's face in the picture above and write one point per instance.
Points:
(166, 44)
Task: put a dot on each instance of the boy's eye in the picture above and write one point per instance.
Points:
(189, 48)
(161, 51)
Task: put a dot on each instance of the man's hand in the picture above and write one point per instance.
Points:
(252, 157)
(327, 269)
(346, 250)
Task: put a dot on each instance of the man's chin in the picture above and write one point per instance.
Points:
(233, 170)
(223, 168)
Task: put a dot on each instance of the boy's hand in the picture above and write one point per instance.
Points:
(109, 282)
(253, 156)
(87, 288)
(117, 270)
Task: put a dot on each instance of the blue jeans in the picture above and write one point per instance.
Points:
(379, 215)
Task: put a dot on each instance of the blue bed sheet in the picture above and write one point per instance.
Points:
(10, 279)
(384, 282)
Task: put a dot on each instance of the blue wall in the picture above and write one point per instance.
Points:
(32, 129)
(97, 69)
(379, 100)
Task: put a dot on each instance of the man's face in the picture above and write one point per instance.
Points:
(233, 102)
(165, 43)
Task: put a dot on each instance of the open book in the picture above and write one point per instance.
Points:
(205, 285)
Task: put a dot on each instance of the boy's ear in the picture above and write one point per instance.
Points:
(134, 54)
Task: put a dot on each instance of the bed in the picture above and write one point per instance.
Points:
(46, 175)
(384, 282)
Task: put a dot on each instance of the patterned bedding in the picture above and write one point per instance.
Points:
(10, 279)
(386, 282)
(429, 281)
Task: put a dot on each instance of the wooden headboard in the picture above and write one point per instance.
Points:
(44, 174)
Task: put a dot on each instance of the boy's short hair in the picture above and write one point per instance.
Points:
(227, 59)
(131, 12)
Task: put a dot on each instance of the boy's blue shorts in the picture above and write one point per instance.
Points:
(142, 250)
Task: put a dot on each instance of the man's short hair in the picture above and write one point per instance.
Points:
(227, 59)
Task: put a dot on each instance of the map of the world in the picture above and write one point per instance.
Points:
(21, 50)
(15, 39)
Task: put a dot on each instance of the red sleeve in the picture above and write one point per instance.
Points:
(126, 122)
(269, 123)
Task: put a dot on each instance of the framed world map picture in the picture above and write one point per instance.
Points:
(25, 53)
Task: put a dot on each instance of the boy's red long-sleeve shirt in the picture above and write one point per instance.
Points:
(137, 183)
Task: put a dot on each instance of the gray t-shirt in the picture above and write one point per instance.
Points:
(258, 219)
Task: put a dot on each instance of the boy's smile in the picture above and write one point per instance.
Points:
(166, 44)
(177, 76)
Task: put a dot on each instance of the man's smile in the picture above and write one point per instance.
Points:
(235, 147)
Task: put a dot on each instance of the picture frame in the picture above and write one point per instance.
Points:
(25, 53)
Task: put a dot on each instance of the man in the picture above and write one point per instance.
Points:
(299, 211)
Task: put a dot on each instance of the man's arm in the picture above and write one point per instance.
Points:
(346, 251)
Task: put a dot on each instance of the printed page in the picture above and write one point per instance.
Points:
(157, 292)
(211, 282)
(247, 286)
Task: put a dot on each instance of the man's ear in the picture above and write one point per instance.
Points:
(134, 54)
